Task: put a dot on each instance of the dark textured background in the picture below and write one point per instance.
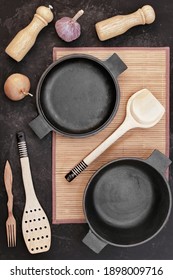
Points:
(15, 116)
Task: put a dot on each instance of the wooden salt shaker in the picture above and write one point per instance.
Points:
(118, 25)
(25, 39)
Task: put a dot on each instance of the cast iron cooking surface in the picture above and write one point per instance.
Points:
(127, 202)
(78, 95)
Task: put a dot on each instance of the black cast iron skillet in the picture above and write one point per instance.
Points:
(127, 202)
(78, 95)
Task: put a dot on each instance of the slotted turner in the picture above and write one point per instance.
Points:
(35, 224)
(143, 110)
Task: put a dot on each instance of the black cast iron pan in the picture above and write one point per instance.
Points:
(78, 95)
(127, 202)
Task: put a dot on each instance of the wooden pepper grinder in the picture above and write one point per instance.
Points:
(118, 25)
(25, 39)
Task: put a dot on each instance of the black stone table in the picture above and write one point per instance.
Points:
(15, 116)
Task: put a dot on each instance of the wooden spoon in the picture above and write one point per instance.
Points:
(143, 110)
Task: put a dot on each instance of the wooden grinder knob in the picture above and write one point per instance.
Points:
(25, 39)
(45, 13)
(118, 25)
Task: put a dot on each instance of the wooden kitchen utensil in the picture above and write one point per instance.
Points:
(35, 224)
(118, 25)
(25, 39)
(143, 110)
(11, 222)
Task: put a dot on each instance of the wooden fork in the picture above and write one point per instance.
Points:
(11, 222)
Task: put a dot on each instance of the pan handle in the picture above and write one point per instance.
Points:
(159, 161)
(40, 127)
(115, 65)
(93, 242)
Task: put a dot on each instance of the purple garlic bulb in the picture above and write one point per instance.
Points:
(68, 29)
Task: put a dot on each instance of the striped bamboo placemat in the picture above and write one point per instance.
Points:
(147, 68)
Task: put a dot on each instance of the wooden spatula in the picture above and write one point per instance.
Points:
(35, 224)
(143, 110)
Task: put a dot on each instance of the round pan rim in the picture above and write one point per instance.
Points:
(43, 77)
(153, 235)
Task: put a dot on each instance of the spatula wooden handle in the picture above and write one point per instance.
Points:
(123, 128)
(118, 25)
(26, 170)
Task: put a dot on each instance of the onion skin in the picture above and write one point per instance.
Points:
(17, 86)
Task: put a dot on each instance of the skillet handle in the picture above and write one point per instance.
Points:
(115, 65)
(159, 161)
(93, 242)
(40, 127)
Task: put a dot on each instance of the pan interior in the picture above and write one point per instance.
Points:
(78, 96)
(127, 202)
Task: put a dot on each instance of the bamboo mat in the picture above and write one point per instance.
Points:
(147, 68)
